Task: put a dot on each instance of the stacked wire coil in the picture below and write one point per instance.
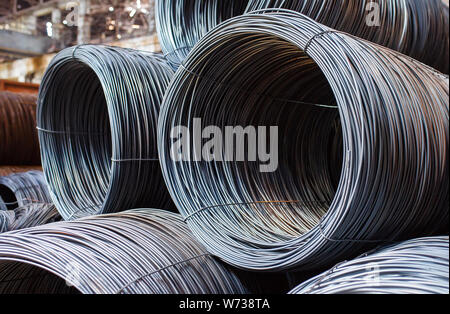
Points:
(19, 139)
(97, 114)
(417, 28)
(181, 24)
(32, 215)
(417, 266)
(22, 189)
(139, 251)
(363, 141)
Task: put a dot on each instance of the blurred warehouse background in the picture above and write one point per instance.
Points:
(32, 31)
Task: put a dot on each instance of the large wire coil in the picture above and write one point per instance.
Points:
(416, 28)
(22, 189)
(363, 136)
(97, 114)
(19, 143)
(181, 24)
(417, 266)
(32, 215)
(139, 251)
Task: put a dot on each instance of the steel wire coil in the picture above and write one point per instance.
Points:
(363, 143)
(22, 189)
(19, 140)
(32, 215)
(181, 24)
(134, 252)
(8, 170)
(416, 28)
(98, 110)
(418, 266)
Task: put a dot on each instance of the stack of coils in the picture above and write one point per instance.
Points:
(32, 215)
(19, 139)
(181, 23)
(21, 189)
(284, 69)
(417, 266)
(417, 28)
(139, 252)
(97, 116)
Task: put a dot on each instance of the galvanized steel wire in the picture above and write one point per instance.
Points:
(32, 215)
(19, 143)
(387, 140)
(416, 28)
(97, 115)
(181, 23)
(418, 266)
(22, 189)
(139, 251)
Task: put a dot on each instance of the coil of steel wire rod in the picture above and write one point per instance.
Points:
(417, 266)
(139, 251)
(180, 24)
(19, 140)
(97, 115)
(417, 28)
(8, 170)
(359, 147)
(21, 189)
(28, 216)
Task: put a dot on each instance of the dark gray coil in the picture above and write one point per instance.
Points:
(32, 215)
(416, 28)
(363, 143)
(134, 252)
(181, 23)
(97, 115)
(417, 266)
(22, 189)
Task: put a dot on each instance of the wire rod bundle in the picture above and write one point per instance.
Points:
(362, 144)
(28, 216)
(181, 24)
(139, 251)
(417, 266)
(19, 140)
(8, 170)
(22, 189)
(417, 28)
(97, 115)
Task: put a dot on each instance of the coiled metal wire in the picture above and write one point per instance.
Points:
(363, 143)
(416, 28)
(28, 216)
(22, 189)
(19, 143)
(417, 266)
(97, 115)
(139, 251)
(181, 24)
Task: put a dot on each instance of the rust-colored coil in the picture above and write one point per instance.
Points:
(19, 144)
